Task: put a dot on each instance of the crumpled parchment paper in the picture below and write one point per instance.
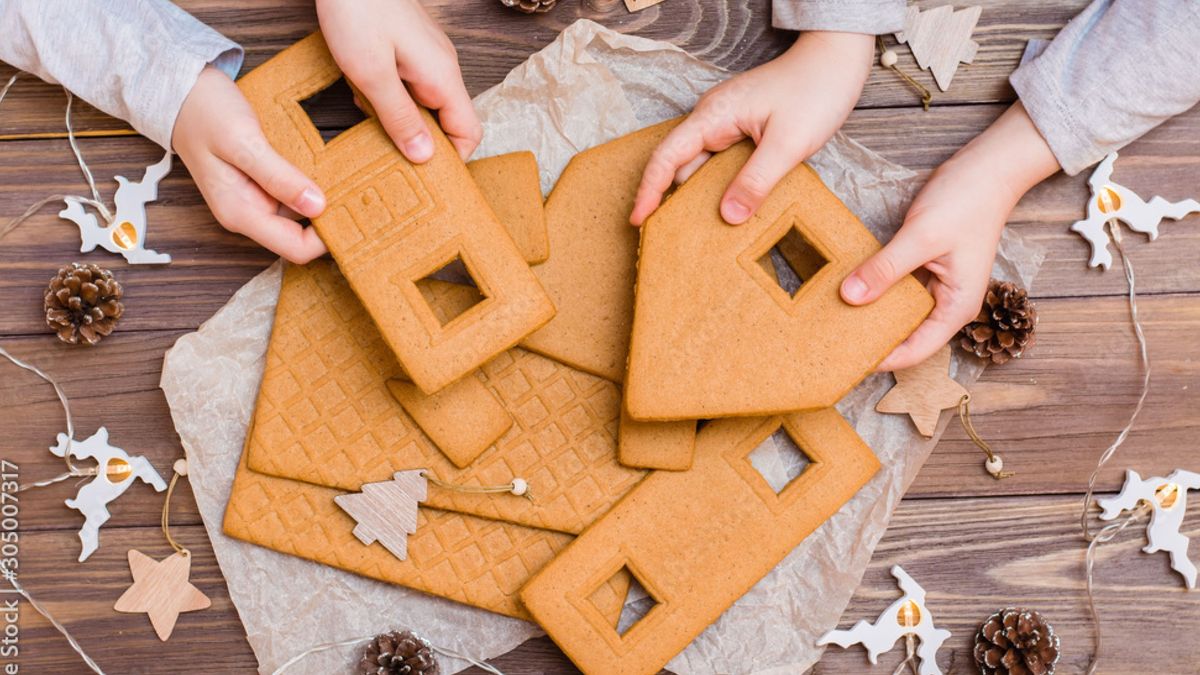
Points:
(589, 86)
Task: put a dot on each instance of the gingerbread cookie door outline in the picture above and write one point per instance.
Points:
(389, 225)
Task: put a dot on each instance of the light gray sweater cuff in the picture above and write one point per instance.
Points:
(133, 59)
(1113, 73)
(874, 17)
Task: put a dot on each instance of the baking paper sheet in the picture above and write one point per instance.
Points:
(589, 86)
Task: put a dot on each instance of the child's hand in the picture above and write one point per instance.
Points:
(789, 106)
(245, 182)
(953, 228)
(385, 45)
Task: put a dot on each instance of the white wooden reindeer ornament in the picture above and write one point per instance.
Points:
(125, 231)
(1168, 499)
(115, 473)
(1111, 202)
(906, 617)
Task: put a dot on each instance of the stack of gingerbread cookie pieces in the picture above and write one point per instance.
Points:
(465, 329)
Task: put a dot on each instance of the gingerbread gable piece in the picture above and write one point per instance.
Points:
(715, 333)
(390, 223)
(696, 540)
(593, 255)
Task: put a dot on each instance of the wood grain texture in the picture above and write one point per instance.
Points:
(974, 543)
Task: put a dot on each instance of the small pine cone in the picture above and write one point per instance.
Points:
(398, 653)
(83, 303)
(530, 6)
(1016, 642)
(1004, 328)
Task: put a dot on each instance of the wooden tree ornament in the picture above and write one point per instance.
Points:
(387, 511)
(1167, 498)
(923, 392)
(940, 38)
(906, 617)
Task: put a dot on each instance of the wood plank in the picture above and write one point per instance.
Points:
(81, 596)
(114, 384)
(972, 555)
(211, 263)
(492, 40)
(1052, 413)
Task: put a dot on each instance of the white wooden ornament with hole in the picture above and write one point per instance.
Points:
(387, 511)
(906, 616)
(126, 234)
(1168, 499)
(1111, 201)
(161, 589)
(940, 39)
(116, 471)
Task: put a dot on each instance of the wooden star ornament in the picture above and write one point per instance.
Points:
(161, 590)
(923, 392)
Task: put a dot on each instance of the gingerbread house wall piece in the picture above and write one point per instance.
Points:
(390, 223)
(716, 333)
(696, 540)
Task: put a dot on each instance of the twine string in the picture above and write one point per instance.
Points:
(926, 95)
(166, 517)
(7, 85)
(474, 489)
(964, 416)
(361, 640)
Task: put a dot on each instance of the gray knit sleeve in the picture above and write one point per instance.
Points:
(873, 17)
(133, 59)
(1114, 72)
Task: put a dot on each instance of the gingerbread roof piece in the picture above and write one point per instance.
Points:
(715, 332)
(593, 255)
(390, 223)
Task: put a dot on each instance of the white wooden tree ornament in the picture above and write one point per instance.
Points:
(1168, 499)
(115, 473)
(906, 617)
(1112, 202)
(125, 232)
(387, 511)
(940, 38)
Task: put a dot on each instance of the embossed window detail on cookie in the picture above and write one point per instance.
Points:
(451, 290)
(624, 611)
(332, 110)
(792, 261)
(779, 460)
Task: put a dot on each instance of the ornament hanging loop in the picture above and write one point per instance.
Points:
(518, 486)
(888, 58)
(993, 464)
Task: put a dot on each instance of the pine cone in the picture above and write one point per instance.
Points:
(1004, 328)
(398, 653)
(83, 303)
(1016, 642)
(530, 6)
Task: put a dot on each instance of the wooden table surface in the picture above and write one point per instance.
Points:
(974, 543)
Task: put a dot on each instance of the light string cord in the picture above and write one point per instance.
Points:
(362, 640)
(8, 85)
(1109, 531)
(910, 657)
(1143, 354)
(72, 470)
(1106, 533)
(12, 579)
(94, 201)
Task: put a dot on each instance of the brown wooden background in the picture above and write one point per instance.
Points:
(975, 544)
